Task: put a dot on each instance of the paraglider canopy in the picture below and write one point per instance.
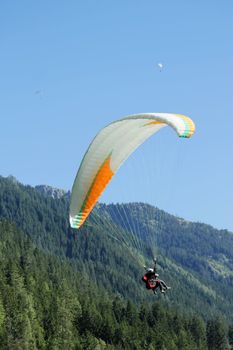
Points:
(109, 149)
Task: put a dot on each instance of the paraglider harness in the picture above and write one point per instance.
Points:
(152, 281)
(151, 277)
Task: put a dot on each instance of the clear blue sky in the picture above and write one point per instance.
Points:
(68, 68)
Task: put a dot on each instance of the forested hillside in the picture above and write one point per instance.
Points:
(198, 254)
(46, 304)
(195, 259)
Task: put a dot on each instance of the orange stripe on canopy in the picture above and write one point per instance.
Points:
(152, 123)
(101, 180)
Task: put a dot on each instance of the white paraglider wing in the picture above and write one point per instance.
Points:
(109, 149)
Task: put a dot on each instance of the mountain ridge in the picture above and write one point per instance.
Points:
(193, 258)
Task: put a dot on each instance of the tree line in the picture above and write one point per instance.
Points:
(46, 304)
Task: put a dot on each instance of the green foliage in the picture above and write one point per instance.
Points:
(195, 258)
(60, 291)
(216, 335)
(46, 304)
(198, 260)
(230, 336)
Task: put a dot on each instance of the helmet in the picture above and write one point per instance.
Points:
(150, 270)
(156, 275)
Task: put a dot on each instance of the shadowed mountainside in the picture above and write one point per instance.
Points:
(194, 258)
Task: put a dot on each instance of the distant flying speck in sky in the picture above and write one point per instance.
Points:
(161, 66)
(39, 92)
